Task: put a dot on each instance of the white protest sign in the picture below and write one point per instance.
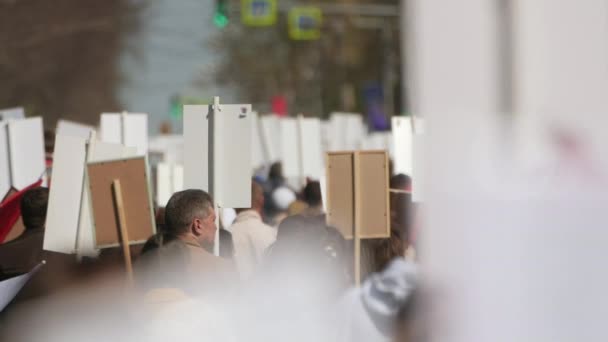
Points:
(196, 147)
(271, 138)
(74, 129)
(402, 145)
(26, 151)
(12, 113)
(169, 179)
(129, 129)
(5, 173)
(9, 288)
(346, 130)
(110, 128)
(289, 147)
(218, 156)
(170, 146)
(65, 194)
(232, 156)
(258, 156)
(311, 150)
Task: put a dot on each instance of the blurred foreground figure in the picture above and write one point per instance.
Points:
(179, 257)
(372, 312)
(250, 234)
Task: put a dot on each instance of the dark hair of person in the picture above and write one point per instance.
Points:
(33, 207)
(312, 194)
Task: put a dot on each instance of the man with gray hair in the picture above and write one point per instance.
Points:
(181, 255)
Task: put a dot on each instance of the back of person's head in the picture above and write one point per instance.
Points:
(33, 207)
(184, 207)
(276, 171)
(257, 198)
(312, 194)
(401, 182)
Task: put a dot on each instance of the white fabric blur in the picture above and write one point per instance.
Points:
(251, 237)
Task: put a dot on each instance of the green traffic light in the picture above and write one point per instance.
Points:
(220, 17)
(220, 20)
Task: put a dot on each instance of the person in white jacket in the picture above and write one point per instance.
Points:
(250, 235)
(370, 312)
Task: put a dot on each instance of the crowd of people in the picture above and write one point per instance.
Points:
(282, 273)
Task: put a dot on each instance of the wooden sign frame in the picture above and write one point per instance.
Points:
(92, 191)
(359, 199)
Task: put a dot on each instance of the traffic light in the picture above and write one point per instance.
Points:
(220, 17)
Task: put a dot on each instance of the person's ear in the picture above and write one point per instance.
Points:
(197, 227)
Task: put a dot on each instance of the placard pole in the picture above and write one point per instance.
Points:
(122, 223)
(357, 220)
(213, 183)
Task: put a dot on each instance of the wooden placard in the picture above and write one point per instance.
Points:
(340, 192)
(372, 194)
(133, 176)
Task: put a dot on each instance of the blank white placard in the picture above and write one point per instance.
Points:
(74, 129)
(5, 173)
(12, 113)
(110, 126)
(177, 178)
(271, 138)
(257, 150)
(196, 147)
(65, 194)
(232, 148)
(135, 130)
(289, 147)
(26, 151)
(311, 148)
(163, 184)
(402, 145)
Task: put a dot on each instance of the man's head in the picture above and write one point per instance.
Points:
(312, 194)
(401, 182)
(33, 207)
(191, 212)
(257, 198)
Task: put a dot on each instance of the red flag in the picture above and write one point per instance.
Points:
(10, 210)
(279, 105)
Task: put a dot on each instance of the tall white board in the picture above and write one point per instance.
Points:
(289, 147)
(26, 151)
(12, 113)
(228, 165)
(65, 194)
(258, 155)
(271, 138)
(110, 128)
(232, 149)
(402, 145)
(129, 129)
(5, 172)
(311, 149)
(135, 126)
(75, 129)
(196, 147)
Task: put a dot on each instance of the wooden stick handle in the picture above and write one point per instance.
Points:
(124, 234)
